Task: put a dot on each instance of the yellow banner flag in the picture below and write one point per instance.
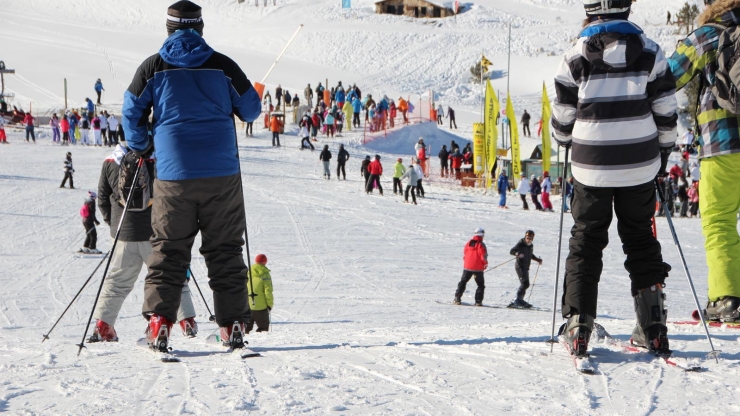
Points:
(485, 63)
(546, 113)
(516, 163)
(492, 108)
(479, 148)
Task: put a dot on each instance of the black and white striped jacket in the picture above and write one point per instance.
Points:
(616, 103)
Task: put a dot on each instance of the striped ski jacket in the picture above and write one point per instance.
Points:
(616, 104)
(719, 130)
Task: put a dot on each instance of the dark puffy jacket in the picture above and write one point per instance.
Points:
(325, 155)
(475, 255)
(342, 156)
(527, 249)
(363, 168)
(443, 155)
(193, 92)
(137, 226)
(535, 187)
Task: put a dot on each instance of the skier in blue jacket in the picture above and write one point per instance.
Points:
(503, 187)
(192, 93)
(356, 109)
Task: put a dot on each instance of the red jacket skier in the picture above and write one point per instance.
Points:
(475, 262)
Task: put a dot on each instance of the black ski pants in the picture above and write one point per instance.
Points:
(592, 213)
(525, 130)
(261, 318)
(374, 179)
(524, 201)
(68, 175)
(523, 282)
(250, 125)
(356, 120)
(213, 207)
(479, 280)
(413, 193)
(537, 204)
(452, 121)
(340, 166)
(91, 236)
(275, 138)
(419, 189)
(306, 143)
(397, 186)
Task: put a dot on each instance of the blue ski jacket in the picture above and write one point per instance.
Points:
(192, 93)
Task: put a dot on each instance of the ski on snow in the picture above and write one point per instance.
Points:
(582, 364)
(534, 308)
(604, 337)
(161, 356)
(696, 320)
(215, 339)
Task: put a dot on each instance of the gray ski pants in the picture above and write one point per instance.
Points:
(126, 264)
(215, 208)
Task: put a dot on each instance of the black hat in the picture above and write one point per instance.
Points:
(529, 233)
(184, 15)
(69, 153)
(377, 157)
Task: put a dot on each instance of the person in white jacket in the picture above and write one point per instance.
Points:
(412, 177)
(420, 175)
(112, 130)
(104, 128)
(440, 114)
(524, 190)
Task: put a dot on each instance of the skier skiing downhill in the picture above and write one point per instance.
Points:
(697, 56)
(524, 252)
(89, 221)
(133, 246)
(198, 186)
(616, 107)
(475, 262)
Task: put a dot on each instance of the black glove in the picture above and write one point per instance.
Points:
(564, 144)
(269, 308)
(664, 153)
(97, 222)
(146, 153)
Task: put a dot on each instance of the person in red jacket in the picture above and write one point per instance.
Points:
(375, 169)
(64, 126)
(456, 160)
(28, 120)
(475, 262)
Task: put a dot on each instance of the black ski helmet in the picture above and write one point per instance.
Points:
(529, 233)
(708, 2)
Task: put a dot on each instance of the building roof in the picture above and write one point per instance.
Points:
(432, 2)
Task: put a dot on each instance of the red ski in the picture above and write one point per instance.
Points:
(696, 320)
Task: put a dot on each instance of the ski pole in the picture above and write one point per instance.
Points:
(112, 249)
(497, 266)
(246, 233)
(75, 298)
(211, 317)
(533, 282)
(714, 353)
(560, 245)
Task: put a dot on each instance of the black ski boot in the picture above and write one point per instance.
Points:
(232, 336)
(726, 309)
(576, 333)
(457, 301)
(651, 331)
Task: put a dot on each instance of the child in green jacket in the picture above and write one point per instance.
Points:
(398, 171)
(261, 304)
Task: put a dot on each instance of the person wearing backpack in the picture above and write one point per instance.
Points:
(199, 186)
(707, 54)
(616, 108)
(133, 246)
(89, 221)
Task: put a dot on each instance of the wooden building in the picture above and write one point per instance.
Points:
(413, 8)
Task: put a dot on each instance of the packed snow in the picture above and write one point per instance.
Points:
(357, 328)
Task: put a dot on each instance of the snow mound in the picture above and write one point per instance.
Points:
(402, 141)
